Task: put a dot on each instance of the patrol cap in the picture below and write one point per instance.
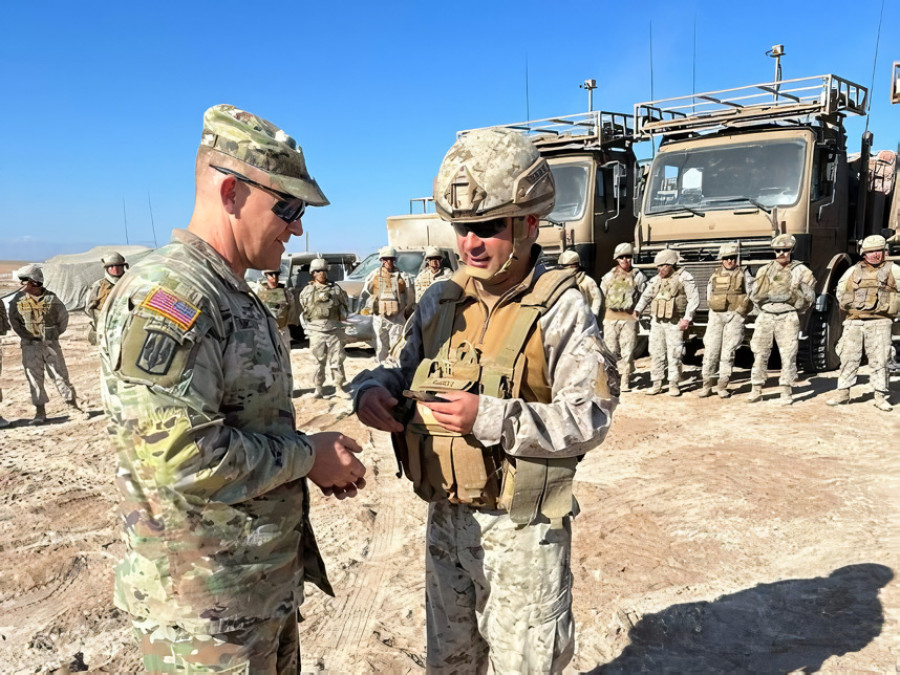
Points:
(569, 258)
(252, 140)
(666, 257)
(114, 258)
(387, 252)
(727, 250)
(784, 241)
(623, 249)
(432, 252)
(30, 273)
(318, 265)
(874, 242)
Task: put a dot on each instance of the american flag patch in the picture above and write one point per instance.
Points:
(181, 312)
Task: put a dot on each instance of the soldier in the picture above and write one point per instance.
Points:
(588, 287)
(782, 291)
(114, 267)
(434, 271)
(673, 299)
(325, 306)
(279, 301)
(39, 317)
(389, 295)
(4, 328)
(728, 297)
(514, 387)
(868, 294)
(622, 287)
(197, 387)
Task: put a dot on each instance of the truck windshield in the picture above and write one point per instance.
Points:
(761, 174)
(571, 191)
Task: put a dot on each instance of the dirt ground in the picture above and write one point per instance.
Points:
(714, 536)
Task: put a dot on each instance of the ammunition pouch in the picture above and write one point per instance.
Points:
(386, 307)
(871, 292)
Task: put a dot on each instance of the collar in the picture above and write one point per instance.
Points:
(212, 257)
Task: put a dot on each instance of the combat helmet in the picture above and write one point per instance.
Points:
(30, 273)
(318, 265)
(114, 258)
(874, 242)
(623, 249)
(387, 252)
(728, 250)
(432, 252)
(666, 257)
(569, 258)
(783, 241)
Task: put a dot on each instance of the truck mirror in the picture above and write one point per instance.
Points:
(895, 83)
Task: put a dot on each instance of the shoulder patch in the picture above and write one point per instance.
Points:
(168, 305)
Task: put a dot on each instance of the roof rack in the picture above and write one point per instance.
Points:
(820, 96)
(595, 129)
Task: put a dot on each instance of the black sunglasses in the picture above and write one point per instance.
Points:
(729, 257)
(482, 230)
(782, 250)
(288, 207)
(624, 257)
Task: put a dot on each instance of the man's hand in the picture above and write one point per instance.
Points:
(458, 413)
(374, 410)
(683, 324)
(335, 469)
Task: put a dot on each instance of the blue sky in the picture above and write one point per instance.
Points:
(103, 101)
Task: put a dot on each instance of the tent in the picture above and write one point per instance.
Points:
(71, 276)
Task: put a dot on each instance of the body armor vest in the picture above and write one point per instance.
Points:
(774, 285)
(33, 311)
(620, 292)
(871, 292)
(499, 355)
(277, 301)
(323, 304)
(728, 291)
(670, 300)
(386, 293)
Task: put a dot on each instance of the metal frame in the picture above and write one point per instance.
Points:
(595, 129)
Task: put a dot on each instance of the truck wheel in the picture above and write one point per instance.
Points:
(823, 330)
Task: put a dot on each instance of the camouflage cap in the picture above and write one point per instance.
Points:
(30, 272)
(493, 173)
(259, 143)
(873, 242)
(784, 241)
(623, 249)
(727, 250)
(569, 258)
(666, 257)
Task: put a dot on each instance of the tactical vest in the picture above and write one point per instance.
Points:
(728, 291)
(277, 301)
(323, 304)
(103, 289)
(33, 311)
(501, 357)
(620, 292)
(670, 300)
(871, 292)
(386, 297)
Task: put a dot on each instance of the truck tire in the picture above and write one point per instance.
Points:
(823, 329)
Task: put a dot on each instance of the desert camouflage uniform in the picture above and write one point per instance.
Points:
(620, 328)
(865, 331)
(724, 332)
(492, 585)
(426, 277)
(39, 321)
(280, 302)
(779, 321)
(325, 306)
(197, 387)
(96, 298)
(389, 309)
(591, 292)
(4, 327)
(666, 338)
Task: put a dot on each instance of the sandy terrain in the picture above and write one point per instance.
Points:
(714, 536)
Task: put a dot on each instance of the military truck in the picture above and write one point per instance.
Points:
(748, 163)
(593, 165)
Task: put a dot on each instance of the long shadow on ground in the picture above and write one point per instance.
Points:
(779, 627)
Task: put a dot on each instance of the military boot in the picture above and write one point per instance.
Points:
(786, 397)
(623, 383)
(882, 403)
(40, 415)
(722, 388)
(706, 389)
(841, 397)
(674, 389)
(319, 392)
(755, 394)
(655, 389)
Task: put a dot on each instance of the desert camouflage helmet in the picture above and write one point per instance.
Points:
(784, 241)
(666, 257)
(623, 249)
(387, 252)
(432, 252)
(569, 258)
(727, 250)
(493, 173)
(114, 258)
(30, 273)
(318, 265)
(252, 140)
(874, 242)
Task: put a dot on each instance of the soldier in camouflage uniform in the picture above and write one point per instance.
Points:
(39, 317)
(4, 328)
(514, 386)
(588, 287)
(391, 300)
(868, 293)
(782, 291)
(673, 299)
(434, 271)
(280, 302)
(114, 267)
(728, 298)
(325, 306)
(621, 288)
(197, 387)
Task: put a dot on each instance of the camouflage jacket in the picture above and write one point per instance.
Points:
(593, 296)
(4, 319)
(426, 277)
(36, 318)
(197, 388)
(279, 301)
(324, 306)
(652, 289)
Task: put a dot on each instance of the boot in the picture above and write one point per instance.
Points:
(674, 389)
(722, 388)
(841, 397)
(706, 390)
(319, 392)
(40, 415)
(3, 423)
(881, 402)
(624, 384)
(82, 413)
(340, 389)
(755, 393)
(655, 389)
(786, 398)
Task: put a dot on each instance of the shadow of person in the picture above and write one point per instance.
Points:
(779, 627)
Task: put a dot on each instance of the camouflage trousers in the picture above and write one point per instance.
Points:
(784, 330)
(267, 646)
(666, 346)
(620, 337)
(285, 334)
(328, 350)
(497, 593)
(873, 336)
(724, 334)
(38, 356)
(388, 330)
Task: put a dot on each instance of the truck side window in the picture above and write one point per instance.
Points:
(821, 173)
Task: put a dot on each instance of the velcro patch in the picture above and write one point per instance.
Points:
(177, 310)
(157, 353)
